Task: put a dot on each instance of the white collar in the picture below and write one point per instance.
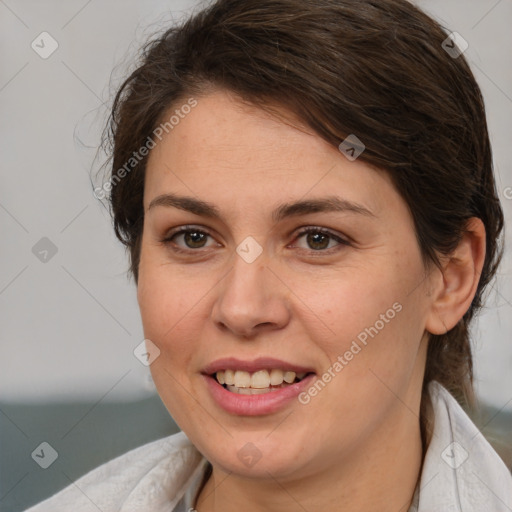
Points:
(461, 471)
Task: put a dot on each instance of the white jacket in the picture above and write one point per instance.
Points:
(461, 473)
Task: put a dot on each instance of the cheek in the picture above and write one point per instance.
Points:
(355, 302)
(173, 307)
(169, 319)
(371, 320)
(165, 294)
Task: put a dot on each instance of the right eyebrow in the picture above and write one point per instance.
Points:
(286, 210)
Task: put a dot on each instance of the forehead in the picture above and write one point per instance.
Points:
(223, 146)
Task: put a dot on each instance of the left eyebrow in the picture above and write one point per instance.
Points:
(286, 210)
(325, 204)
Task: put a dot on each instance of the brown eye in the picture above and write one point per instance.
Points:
(319, 239)
(193, 238)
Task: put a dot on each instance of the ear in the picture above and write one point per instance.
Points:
(458, 281)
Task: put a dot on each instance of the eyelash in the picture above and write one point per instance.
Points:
(168, 240)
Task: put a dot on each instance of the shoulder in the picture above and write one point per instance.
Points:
(155, 471)
(461, 470)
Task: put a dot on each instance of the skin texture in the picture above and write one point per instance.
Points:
(356, 445)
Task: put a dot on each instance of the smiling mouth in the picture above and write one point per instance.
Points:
(256, 383)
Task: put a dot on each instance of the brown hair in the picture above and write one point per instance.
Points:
(373, 68)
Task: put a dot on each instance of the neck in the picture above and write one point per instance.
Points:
(382, 476)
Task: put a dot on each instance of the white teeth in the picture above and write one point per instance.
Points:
(276, 377)
(262, 379)
(242, 379)
(229, 377)
(251, 391)
(289, 377)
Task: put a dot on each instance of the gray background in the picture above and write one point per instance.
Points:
(69, 325)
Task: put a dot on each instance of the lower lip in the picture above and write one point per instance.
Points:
(255, 405)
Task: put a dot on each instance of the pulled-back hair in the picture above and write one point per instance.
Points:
(373, 68)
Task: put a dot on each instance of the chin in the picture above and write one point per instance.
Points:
(258, 456)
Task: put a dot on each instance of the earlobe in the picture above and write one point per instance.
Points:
(461, 272)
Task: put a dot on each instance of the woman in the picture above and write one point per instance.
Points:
(306, 191)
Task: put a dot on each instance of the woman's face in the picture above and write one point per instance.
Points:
(246, 290)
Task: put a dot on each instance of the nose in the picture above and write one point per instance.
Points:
(251, 299)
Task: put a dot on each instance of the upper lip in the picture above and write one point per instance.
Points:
(261, 363)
